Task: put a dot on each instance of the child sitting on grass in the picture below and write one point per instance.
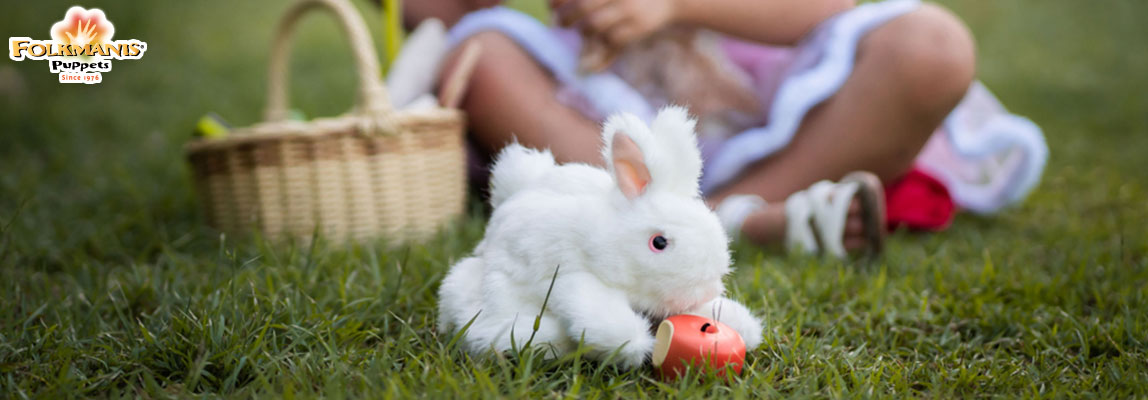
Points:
(789, 95)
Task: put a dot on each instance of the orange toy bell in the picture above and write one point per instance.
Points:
(685, 340)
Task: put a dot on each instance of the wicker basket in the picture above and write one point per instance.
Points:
(369, 173)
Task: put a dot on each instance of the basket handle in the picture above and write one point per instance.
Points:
(372, 98)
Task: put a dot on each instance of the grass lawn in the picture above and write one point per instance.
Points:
(110, 285)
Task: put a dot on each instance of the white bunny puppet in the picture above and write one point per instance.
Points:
(632, 244)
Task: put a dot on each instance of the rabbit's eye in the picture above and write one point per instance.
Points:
(658, 243)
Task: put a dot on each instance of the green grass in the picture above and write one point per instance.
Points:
(110, 285)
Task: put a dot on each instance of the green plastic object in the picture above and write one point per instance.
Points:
(212, 126)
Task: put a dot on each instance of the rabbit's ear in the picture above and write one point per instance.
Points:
(630, 171)
(674, 160)
(626, 145)
(662, 157)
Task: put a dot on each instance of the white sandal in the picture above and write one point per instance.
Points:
(815, 217)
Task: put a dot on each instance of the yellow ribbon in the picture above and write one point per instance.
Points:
(392, 31)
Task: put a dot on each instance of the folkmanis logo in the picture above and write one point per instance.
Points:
(81, 49)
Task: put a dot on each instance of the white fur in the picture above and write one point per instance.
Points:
(515, 168)
(671, 154)
(610, 287)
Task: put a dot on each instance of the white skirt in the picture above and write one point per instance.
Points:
(986, 157)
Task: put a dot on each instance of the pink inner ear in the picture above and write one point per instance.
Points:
(629, 166)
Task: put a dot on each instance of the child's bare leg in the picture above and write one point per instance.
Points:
(512, 97)
(909, 75)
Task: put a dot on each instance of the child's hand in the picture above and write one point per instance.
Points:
(615, 23)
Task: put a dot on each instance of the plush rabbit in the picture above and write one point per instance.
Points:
(632, 244)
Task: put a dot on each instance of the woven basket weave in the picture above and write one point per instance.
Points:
(373, 172)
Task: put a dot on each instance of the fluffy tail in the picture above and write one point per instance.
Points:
(517, 167)
(460, 295)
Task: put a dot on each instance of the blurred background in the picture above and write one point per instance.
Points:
(102, 244)
(110, 154)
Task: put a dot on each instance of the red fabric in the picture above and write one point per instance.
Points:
(918, 201)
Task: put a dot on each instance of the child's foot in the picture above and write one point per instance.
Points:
(823, 223)
(767, 226)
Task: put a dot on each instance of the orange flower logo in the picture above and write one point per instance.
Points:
(81, 27)
(81, 49)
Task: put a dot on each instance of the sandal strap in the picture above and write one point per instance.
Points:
(799, 235)
(831, 211)
(733, 211)
(815, 217)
